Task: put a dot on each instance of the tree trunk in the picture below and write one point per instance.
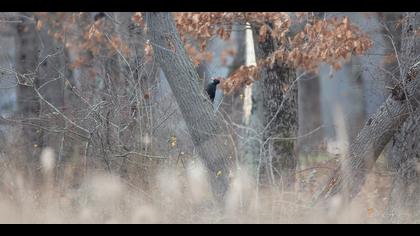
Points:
(391, 33)
(280, 119)
(405, 148)
(27, 45)
(372, 139)
(404, 197)
(378, 131)
(208, 130)
(367, 147)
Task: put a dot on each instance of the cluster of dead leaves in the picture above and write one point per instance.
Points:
(58, 23)
(198, 56)
(204, 25)
(270, 24)
(137, 19)
(100, 38)
(245, 75)
(78, 32)
(331, 41)
(201, 27)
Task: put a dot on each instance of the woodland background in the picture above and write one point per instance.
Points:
(104, 117)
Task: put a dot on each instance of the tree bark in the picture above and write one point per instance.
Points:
(405, 191)
(407, 58)
(378, 131)
(280, 119)
(372, 139)
(27, 45)
(392, 35)
(405, 148)
(208, 130)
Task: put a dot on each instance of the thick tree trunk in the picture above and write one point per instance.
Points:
(378, 131)
(372, 139)
(405, 148)
(27, 45)
(392, 37)
(280, 119)
(407, 57)
(404, 202)
(208, 130)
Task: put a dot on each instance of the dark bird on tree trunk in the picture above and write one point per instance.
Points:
(211, 88)
(99, 16)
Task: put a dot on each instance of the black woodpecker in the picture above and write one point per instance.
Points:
(211, 88)
(99, 16)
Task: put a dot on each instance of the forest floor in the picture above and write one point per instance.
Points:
(181, 195)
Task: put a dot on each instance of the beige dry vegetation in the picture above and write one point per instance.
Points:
(179, 194)
(137, 187)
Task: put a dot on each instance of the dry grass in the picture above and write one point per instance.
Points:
(178, 195)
